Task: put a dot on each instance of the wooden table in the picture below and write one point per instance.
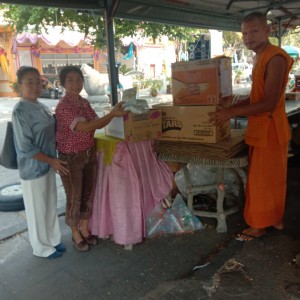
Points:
(236, 164)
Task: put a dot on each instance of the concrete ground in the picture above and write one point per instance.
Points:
(199, 265)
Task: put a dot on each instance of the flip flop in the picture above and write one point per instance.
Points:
(244, 237)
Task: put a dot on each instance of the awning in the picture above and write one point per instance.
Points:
(292, 51)
(52, 37)
(218, 14)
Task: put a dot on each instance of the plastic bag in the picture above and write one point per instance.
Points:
(8, 155)
(201, 176)
(188, 221)
(177, 219)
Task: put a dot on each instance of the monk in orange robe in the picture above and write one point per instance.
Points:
(268, 131)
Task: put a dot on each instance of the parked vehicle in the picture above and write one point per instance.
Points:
(52, 93)
(50, 90)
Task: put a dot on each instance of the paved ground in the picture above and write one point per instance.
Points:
(200, 265)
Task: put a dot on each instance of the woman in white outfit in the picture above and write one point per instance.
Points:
(34, 135)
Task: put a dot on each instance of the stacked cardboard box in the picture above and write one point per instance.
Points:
(136, 127)
(202, 82)
(190, 124)
(198, 88)
(196, 152)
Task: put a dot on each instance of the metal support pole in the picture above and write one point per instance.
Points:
(109, 27)
(279, 32)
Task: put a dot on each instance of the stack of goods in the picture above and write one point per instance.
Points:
(198, 153)
(198, 88)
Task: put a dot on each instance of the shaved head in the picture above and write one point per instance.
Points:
(255, 16)
(255, 31)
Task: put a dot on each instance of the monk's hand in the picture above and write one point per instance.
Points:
(219, 117)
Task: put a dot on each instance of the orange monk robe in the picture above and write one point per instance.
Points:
(267, 136)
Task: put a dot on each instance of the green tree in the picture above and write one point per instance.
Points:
(25, 18)
(292, 38)
(232, 39)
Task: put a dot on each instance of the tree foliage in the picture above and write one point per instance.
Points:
(232, 39)
(292, 38)
(26, 18)
(31, 18)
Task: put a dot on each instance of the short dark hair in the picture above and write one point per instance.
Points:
(255, 16)
(23, 71)
(65, 71)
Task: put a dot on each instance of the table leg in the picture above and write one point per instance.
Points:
(220, 215)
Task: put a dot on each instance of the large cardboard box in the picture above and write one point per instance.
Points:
(191, 124)
(136, 127)
(202, 82)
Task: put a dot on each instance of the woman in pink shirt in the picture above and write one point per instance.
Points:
(76, 125)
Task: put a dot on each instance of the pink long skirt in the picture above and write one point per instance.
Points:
(127, 191)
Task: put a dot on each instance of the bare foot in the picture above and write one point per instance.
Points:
(76, 235)
(83, 228)
(255, 232)
(279, 225)
(250, 234)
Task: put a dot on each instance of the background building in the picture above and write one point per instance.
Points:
(53, 49)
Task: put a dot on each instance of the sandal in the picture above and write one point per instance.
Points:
(250, 234)
(82, 246)
(243, 237)
(91, 240)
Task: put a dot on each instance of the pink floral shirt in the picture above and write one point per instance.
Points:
(68, 113)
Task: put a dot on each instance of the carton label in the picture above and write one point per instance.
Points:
(201, 82)
(187, 123)
(189, 85)
(141, 117)
(136, 127)
(203, 133)
(176, 125)
(171, 125)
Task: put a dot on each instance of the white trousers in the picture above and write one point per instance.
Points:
(40, 201)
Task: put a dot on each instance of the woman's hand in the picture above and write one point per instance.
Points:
(59, 166)
(118, 110)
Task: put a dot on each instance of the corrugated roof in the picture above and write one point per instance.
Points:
(219, 14)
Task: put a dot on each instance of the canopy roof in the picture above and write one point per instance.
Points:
(218, 14)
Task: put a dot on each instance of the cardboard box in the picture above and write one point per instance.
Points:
(292, 96)
(191, 124)
(136, 127)
(202, 82)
